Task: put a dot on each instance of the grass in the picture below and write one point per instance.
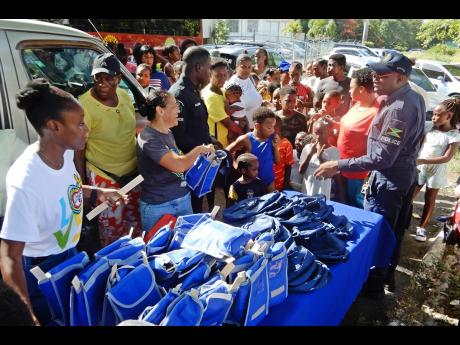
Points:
(430, 55)
(454, 163)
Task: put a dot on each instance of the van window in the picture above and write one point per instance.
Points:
(67, 68)
(432, 71)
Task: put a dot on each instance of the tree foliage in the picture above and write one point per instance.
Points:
(322, 28)
(220, 31)
(436, 31)
(293, 27)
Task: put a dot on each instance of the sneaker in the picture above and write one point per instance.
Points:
(420, 234)
(390, 283)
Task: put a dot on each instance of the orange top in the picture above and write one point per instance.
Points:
(286, 158)
(354, 129)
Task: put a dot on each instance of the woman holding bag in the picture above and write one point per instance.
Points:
(161, 163)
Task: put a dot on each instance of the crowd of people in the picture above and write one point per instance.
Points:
(361, 141)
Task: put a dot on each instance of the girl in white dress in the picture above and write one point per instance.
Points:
(442, 140)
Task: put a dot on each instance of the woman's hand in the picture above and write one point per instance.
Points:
(207, 148)
(111, 196)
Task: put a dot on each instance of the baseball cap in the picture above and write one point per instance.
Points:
(284, 66)
(392, 62)
(106, 63)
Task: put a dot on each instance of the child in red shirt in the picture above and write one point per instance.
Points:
(283, 169)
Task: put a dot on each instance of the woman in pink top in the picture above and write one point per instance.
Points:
(354, 129)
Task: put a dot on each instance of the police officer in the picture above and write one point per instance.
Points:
(192, 129)
(392, 147)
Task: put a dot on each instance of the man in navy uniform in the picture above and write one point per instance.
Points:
(392, 148)
(192, 129)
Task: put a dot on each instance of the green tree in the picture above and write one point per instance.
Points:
(436, 31)
(220, 31)
(320, 28)
(293, 27)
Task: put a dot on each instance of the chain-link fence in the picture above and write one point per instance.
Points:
(290, 48)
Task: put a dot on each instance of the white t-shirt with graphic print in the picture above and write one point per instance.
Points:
(44, 206)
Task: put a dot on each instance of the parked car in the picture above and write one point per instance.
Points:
(231, 51)
(418, 81)
(446, 76)
(353, 55)
(355, 45)
(62, 55)
(381, 52)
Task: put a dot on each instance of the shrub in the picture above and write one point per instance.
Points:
(443, 49)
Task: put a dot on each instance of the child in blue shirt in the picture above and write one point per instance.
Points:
(261, 143)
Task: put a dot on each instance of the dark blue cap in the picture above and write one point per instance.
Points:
(392, 62)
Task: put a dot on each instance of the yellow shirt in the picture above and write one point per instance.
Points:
(111, 143)
(215, 103)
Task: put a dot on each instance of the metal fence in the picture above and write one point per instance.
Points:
(291, 48)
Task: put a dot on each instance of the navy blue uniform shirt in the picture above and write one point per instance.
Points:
(394, 141)
(192, 129)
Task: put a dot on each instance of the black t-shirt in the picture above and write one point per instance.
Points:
(248, 190)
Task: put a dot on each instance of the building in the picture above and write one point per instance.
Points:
(249, 29)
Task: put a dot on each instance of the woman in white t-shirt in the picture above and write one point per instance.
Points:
(442, 140)
(44, 208)
(250, 97)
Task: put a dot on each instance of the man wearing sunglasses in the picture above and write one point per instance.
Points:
(392, 147)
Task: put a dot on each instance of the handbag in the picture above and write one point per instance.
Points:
(200, 177)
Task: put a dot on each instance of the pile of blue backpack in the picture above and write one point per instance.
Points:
(203, 272)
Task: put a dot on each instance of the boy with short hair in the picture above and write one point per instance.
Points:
(262, 144)
(248, 185)
(283, 169)
(292, 122)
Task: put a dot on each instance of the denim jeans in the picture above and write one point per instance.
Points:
(151, 214)
(38, 300)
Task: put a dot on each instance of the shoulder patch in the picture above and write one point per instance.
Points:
(180, 104)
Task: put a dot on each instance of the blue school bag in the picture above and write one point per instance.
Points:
(87, 294)
(251, 301)
(207, 181)
(216, 239)
(217, 299)
(183, 225)
(185, 310)
(156, 313)
(55, 285)
(130, 294)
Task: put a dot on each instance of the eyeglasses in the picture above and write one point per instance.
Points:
(377, 76)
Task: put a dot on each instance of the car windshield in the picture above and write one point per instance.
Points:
(419, 78)
(454, 70)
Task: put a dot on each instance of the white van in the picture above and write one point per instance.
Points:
(446, 76)
(32, 49)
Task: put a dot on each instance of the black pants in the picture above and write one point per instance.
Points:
(396, 207)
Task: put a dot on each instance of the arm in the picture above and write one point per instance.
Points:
(451, 149)
(178, 164)
(241, 142)
(13, 271)
(231, 126)
(304, 165)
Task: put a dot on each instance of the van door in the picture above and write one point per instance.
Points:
(65, 61)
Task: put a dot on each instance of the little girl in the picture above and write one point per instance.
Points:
(235, 108)
(440, 144)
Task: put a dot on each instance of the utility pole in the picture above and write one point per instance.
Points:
(365, 30)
